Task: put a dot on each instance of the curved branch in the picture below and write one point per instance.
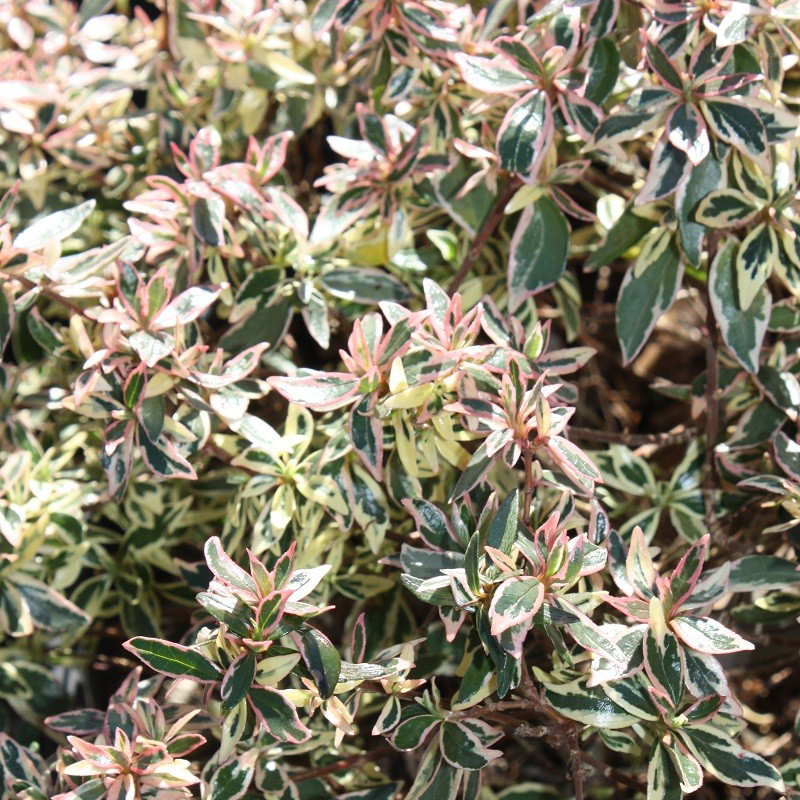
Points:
(486, 230)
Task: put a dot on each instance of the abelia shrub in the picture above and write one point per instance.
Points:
(399, 401)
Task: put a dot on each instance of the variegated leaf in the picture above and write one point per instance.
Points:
(708, 636)
(464, 744)
(525, 135)
(735, 123)
(663, 655)
(516, 600)
(726, 208)
(729, 762)
(686, 130)
(539, 250)
(644, 297)
(669, 168)
(755, 260)
(588, 706)
(277, 715)
(742, 330)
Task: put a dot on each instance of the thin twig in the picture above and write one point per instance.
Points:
(712, 401)
(486, 230)
(342, 763)
(576, 764)
(609, 772)
(528, 493)
(675, 436)
(732, 517)
(213, 449)
(604, 181)
(558, 728)
(537, 731)
(51, 295)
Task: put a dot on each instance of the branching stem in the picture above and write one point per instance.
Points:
(677, 435)
(51, 295)
(343, 763)
(712, 400)
(576, 764)
(529, 487)
(486, 230)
